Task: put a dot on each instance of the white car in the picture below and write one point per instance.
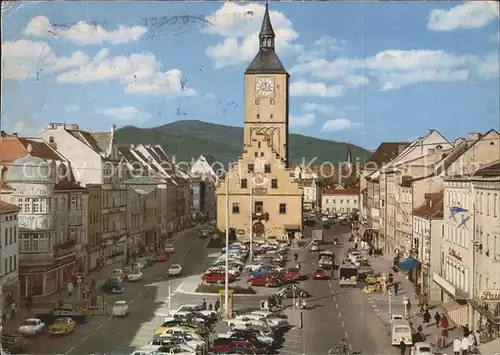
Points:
(244, 321)
(421, 348)
(195, 308)
(135, 276)
(270, 318)
(397, 316)
(31, 326)
(324, 218)
(169, 248)
(120, 309)
(175, 270)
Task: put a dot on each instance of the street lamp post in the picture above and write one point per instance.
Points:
(226, 273)
(250, 222)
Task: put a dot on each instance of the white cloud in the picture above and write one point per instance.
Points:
(394, 69)
(138, 72)
(489, 67)
(72, 108)
(210, 96)
(240, 26)
(322, 48)
(339, 124)
(26, 59)
(125, 113)
(304, 88)
(303, 121)
(314, 107)
(84, 33)
(471, 14)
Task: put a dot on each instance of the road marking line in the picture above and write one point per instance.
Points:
(343, 324)
(132, 301)
(70, 350)
(376, 310)
(350, 347)
(373, 305)
(99, 327)
(334, 298)
(140, 294)
(337, 305)
(340, 315)
(85, 338)
(346, 336)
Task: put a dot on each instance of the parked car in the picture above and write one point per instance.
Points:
(63, 326)
(421, 348)
(50, 317)
(169, 248)
(242, 322)
(319, 274)
(162, 256)
(175, 270)
(31, 327)
(135, 275)
(120, 309)
(293, 273)
(263, 280)
(269, 317)
(204, 233)
(118, 274)
(112, 285)
(315, 247)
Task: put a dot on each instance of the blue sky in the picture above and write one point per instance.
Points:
(360, 72)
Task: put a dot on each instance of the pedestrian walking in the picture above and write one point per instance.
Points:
(426, 317)
(444, 322)
(445, 333)
(472, 342)
(217, 305)
(457, 346)
(402, 346)
(13, 310)
(466, 330)
(437, 318)
(465, 346)
(395, 288)
(418, 291)
(204, 304)
(210, 306)
(69, 288)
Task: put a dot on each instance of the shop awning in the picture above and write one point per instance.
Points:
(291, 227)
(408, 265)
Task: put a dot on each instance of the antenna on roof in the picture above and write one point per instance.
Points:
(29, 148)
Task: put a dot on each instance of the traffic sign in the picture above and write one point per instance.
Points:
(389, 292)
(294, 287)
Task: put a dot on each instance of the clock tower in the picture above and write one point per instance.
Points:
(266, 99)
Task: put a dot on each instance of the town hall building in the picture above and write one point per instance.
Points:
(263, 194)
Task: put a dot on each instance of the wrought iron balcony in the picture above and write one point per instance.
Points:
(260, 216)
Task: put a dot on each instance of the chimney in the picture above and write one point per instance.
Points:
(52, 142)
(438, 153)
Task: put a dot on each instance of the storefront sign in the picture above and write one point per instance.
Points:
(454, 254)
(490, 296)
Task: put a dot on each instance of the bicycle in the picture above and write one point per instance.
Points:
(340, 349)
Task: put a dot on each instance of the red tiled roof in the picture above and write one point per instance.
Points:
(341, 192)
(7, 207)
(12, 148)
(432, 207)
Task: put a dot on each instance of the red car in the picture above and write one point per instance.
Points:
(263, 280)
(225, 345)
(162, 256)
(319, 274)
(215, 277)
(293, 273)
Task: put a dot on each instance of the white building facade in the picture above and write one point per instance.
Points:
(204, 176)
(9, 256)
(339, 200)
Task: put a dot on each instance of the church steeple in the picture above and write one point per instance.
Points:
(266, 35)
(266, 61)
(348, 156)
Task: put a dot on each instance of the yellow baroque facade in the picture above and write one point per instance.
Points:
(262, 190)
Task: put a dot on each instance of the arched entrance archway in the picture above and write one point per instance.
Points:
(258, 229)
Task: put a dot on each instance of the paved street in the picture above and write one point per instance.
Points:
(339, 313)
(148, 305)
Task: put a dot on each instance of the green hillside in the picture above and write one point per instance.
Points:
(188, 139)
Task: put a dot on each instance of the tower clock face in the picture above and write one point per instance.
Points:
(265, 87)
